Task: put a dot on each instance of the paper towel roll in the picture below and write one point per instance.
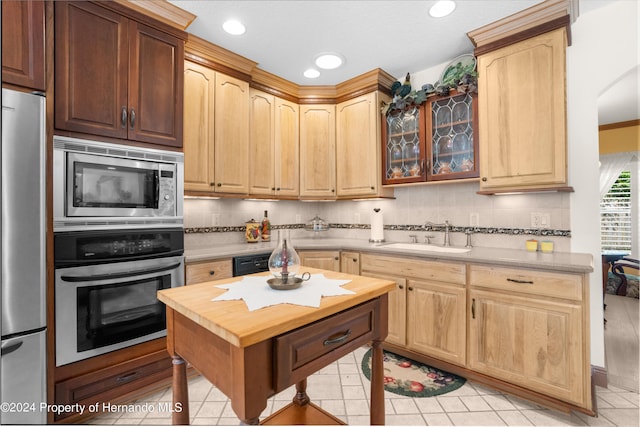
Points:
(377, 226)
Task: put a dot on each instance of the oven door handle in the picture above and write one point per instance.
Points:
(96, 277)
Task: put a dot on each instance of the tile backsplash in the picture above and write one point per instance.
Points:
(497, 221)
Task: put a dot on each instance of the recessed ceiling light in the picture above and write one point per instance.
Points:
(329, 61)
(442, 8)
(312, 73)
(234, 27)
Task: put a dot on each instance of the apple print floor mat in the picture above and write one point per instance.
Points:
(410, 378)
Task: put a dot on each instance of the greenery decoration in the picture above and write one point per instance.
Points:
(462, 78)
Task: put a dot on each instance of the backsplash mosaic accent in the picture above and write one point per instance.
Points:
(417, 228)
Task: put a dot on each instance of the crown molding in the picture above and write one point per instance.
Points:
(528, 19)
(162, 11)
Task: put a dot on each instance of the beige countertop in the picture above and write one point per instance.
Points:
(559, 261)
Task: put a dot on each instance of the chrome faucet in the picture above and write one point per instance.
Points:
(446, 226)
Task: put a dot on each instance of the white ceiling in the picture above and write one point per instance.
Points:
(285, 36)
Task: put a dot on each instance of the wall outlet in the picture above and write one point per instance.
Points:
(215, 219)
(545, 220)
(540, 220)
(356, 217)
(298, 219)
(535, 220)
(474, 219)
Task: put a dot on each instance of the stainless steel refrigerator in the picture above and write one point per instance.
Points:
(23, 358)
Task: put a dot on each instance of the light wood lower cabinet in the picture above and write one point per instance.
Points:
(427, 309)
(530, 328)
(199, 272)
(438, 314)
(350, 262)
(521, 330)
(397, 323)
(326, 260)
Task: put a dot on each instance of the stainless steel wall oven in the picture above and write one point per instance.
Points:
(105, 288)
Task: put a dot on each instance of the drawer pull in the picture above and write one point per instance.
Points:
(527, 282)
(338, 340)
(212, 272)
(473, 308)
(127, 377)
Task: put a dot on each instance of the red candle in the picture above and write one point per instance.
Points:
(285, 259)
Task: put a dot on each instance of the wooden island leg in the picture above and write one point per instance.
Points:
(301, 398)
(180, 415)
(377, 384)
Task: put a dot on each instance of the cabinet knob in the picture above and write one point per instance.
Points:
(410, 288)
(219, 184)
(355, 259)
(278, 189)
(400, 287)
(212, 184)
(373, 188)
(336, 258)
(212, 272)
(484, 179)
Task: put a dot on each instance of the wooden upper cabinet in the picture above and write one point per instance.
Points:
(198, 135)
(287, 148)
(231, 135)
(358, 147)
(155, 86)
(522, 114)
(116, 77)
(23, 62)
(318, 151)
(273, 146)
(261, 143)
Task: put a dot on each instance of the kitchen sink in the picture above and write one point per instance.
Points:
(426, 248)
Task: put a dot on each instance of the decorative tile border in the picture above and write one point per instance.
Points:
(409, 227)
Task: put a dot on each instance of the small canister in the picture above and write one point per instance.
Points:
(546, 246)
(252, 231)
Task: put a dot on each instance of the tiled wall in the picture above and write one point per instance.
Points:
(504, 221)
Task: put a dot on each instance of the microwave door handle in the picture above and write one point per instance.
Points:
(157, 204)
(96, 277)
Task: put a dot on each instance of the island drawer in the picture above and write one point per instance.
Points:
(199, 272)
(533, 282)
(306, 350)
(450, 272)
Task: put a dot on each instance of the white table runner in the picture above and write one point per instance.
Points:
(256, 292)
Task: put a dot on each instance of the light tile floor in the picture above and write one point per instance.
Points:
(344, 391)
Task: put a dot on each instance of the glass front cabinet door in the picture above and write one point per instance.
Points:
(403, 151)
(434, 141)
(452, 137)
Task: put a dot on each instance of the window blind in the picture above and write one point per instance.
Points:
(615, 215)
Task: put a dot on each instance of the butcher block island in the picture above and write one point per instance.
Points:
(250, 355)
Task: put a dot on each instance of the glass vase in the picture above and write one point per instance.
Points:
(284, 261)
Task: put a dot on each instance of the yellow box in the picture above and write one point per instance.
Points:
(532, 245)
(546, 247)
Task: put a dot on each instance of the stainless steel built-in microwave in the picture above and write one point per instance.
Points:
(99, 185)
